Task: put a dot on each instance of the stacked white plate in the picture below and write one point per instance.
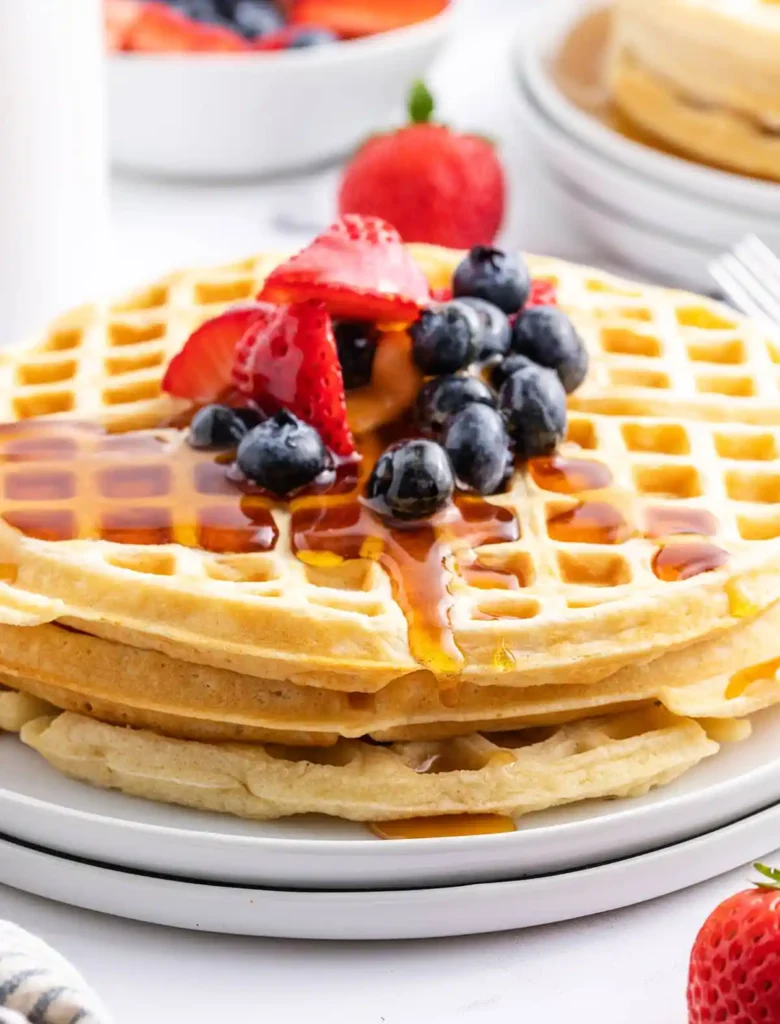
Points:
(313, 877)
(662, 214)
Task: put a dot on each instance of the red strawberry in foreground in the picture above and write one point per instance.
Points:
(435, 185)
(734, 974)
(289, 361)
(202, 370)
(359, 268)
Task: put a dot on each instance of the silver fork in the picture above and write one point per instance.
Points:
(749, 275)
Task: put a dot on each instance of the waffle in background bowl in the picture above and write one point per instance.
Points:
(702, 77)
(650, 531)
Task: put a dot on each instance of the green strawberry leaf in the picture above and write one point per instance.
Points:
(421, 103)
(772, 876)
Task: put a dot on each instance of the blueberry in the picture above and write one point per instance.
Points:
(495, 276)
(248, 416)
(216, 426)
(546, 335)
(282, 454)
(252, 18)
(444, 396)
(504, 369)
(533, 404)
(304, 37)
(496, 334)
(206, 11)
(478, 446)
(445, 337)
(411, 480)
(356, 343)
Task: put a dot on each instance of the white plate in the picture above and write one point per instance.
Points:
(625, 215)
(230, 115)
(40, 806)
(405, 914)
(531, 57)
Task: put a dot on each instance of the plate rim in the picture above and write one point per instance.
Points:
(628, 812)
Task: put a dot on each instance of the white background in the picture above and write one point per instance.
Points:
(627, 966)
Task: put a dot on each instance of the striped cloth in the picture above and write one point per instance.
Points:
(38, 986)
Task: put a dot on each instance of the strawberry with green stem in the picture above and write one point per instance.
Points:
(734, 974)
(434, 184)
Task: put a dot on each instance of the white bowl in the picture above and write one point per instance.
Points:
(234, 115)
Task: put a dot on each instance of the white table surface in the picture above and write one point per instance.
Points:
(626, 966)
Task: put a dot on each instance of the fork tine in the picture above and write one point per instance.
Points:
(721, 274)
(760, 259)
(755, 254)
(763, 298)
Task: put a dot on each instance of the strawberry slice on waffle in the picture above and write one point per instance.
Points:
(202, 370)
(359, 268)
(289, 360)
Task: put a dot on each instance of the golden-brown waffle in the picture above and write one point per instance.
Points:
(131, 686)
(625, 755)
(583, 584)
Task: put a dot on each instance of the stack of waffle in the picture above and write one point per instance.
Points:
(599, 629)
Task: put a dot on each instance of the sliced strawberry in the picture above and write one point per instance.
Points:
(441, 294)
(353, 18)
(289, 360)
(120, 16)
(161, 29)
(202, 370)
(359, 268)
(543, 293)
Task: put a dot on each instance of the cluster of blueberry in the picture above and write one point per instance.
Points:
(499, 374)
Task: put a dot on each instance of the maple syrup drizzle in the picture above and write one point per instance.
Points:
(590, 522)
(72, 481)
(569, 476)
(414, 557)
(444, 826)
(680, 560)
(667, 522)
(741, 680)
(477, 575)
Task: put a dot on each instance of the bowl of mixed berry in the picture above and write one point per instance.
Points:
(226, 88)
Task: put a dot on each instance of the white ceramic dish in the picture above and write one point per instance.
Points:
(531, 56)
(410, 914)
(628, 217)
(234, 115)
(39, 806)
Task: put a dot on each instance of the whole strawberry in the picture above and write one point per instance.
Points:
(734, 973)
(433, 184)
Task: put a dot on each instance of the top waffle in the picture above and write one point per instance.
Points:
(655, 524)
